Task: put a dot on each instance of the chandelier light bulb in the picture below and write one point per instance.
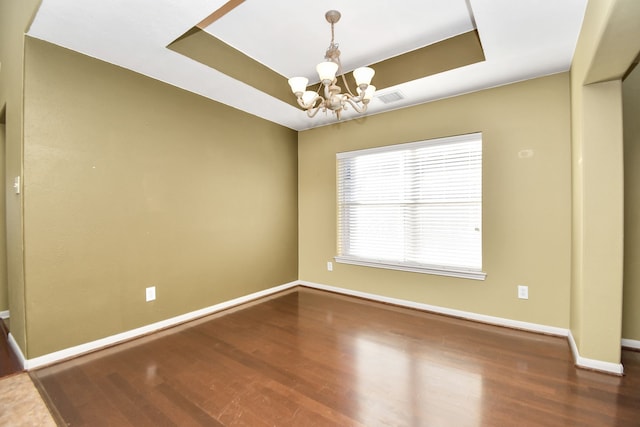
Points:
(298, 85)
(363, 76)
(309, 97)
(327, 71)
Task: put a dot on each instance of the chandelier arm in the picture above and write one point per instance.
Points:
(301, 103)
(346, 86)
(353, 98)
(311, 104)
(311, 112)
(312, 108)
(344, 79)
(355, 103)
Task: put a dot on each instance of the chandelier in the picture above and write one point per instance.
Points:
(333, 99)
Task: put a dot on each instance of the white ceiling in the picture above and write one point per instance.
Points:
(521, 39)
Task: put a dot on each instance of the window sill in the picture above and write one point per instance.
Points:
(440, 271)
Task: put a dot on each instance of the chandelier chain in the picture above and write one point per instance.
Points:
(332, 33)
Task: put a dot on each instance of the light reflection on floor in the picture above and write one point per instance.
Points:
(407, 381)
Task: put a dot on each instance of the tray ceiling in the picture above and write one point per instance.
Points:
(519, 40)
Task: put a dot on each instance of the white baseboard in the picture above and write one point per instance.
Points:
(634, 344)
(499, 321)
(16, 349)
(593, 364)
(4, 314)
(67, 353)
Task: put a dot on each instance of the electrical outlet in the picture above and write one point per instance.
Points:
(329, 266)
(523, 292)
(151, 293)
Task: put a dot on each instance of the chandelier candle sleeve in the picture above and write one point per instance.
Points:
(329, 71)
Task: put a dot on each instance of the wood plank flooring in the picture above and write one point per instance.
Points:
(308, 358)
(9, 363)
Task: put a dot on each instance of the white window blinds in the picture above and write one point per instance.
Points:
(415, 206)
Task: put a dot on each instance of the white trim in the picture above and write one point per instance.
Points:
(443, 271)
(144, 330)
(596, 365)
(469, 137)
(4, 314)
(500, 321)
(444, 197)
(16, 350)
(634, 344)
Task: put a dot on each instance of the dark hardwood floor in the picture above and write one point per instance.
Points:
(9, 363)
(308, 358)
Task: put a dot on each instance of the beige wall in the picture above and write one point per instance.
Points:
(631, 288)
(608, 43)
(129, 183)
(526, 200)
(15, 17)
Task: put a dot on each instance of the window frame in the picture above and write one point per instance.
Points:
(442, 270)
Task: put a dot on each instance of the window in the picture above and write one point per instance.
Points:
(414, 207)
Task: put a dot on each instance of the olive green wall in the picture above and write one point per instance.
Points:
(129, 183)
(526, 200)
(631, 287)
(15, 18)
(608, 43)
